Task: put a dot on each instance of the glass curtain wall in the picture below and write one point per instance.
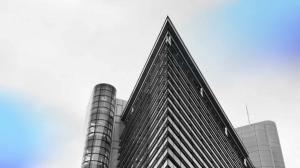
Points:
(99, 136)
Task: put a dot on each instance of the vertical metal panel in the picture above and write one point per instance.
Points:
(262, 142)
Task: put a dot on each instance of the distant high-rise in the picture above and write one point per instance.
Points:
(172, 118)
(262, 142)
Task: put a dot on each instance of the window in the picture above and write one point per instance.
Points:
(202, 92)
(226, 131)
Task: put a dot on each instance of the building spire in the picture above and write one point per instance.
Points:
(248, 114)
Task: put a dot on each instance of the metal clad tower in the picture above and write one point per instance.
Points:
(262, 142)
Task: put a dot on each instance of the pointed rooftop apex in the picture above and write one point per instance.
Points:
(170, 37)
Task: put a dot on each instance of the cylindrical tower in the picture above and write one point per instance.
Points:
(98, 143)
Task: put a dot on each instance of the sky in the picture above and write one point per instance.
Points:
(54, 51)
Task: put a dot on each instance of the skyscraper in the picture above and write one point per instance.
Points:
(104, 128)
(99, 135)
(172, 118)
(262, 142)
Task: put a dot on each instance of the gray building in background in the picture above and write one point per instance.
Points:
(117, 130)
(262, 142)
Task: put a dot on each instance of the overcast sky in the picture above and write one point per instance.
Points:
(54, 51)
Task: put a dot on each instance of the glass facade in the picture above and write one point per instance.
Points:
(172, 118)
(99, 136)
(262, 142)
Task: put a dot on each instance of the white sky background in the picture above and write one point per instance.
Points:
(54, 51)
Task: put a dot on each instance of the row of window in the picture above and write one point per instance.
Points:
(101, 136)
(98, 143)
(100, 122)
(94, 164)
(102, 110)
(108, 105)
(98, 117)
(103, 92)
(104, 98)
(105, 87)
(97, 150)
(96, 157)
(100, 129)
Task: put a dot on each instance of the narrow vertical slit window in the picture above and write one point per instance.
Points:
(226, 131)
(168, 39)
(202, 92)
(245, 162)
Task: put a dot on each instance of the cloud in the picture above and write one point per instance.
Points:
(54, 52)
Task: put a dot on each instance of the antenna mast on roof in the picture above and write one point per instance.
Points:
(248, 115)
